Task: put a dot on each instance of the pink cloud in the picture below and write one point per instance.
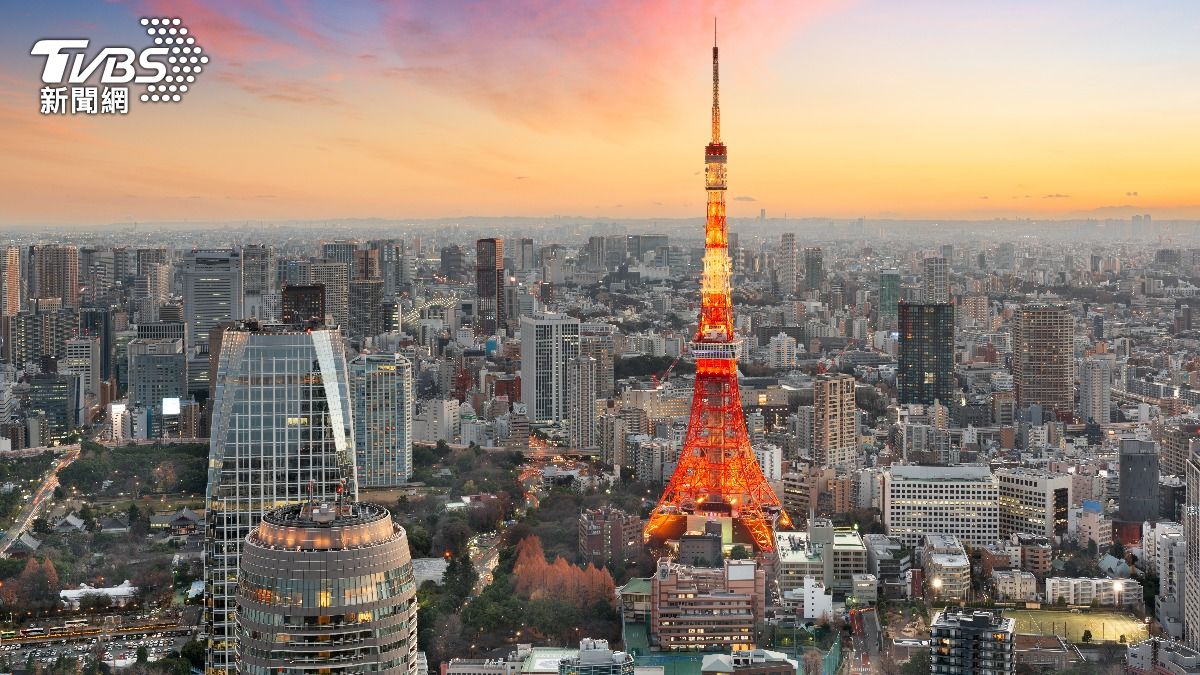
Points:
(548, 64)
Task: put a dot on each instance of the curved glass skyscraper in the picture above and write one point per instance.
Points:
(281, 431)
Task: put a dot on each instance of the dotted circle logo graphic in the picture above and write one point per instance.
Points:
(185, 59)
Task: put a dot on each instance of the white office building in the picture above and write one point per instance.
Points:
(548, 342)
(1033, 501)
(957, 500)
(212, 291)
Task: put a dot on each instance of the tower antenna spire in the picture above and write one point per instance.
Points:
(716, 108)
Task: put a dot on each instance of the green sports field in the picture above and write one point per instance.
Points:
(1106, 626)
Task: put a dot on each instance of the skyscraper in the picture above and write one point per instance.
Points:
(10, 280)
(548, 342)
(98, 322)
(786, 265)
(381, 388)
(936, 280)
(717, 476)
(835, 433)
(341, 251)
(212, 291)
(157, 371)
(340, 559)
(83, 359)
(332, 276)
(366, 308)
(1191, 534)
(581, 390)
(889, 296)
(281, 430)
(814, 268)
(258, 280)
(54, 273)
(489, 286)
(1095, 391)
(925, 372)
(1043, 357)
(303, 306)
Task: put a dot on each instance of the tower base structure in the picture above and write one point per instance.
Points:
(717, 475)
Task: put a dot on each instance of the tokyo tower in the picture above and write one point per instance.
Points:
(717, 475)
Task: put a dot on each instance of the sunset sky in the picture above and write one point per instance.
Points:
(428, 109)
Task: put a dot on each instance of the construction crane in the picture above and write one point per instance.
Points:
(666, 374)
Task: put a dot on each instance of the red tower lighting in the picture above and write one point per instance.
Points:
(717, 473)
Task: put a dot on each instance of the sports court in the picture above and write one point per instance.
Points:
(1106, 626)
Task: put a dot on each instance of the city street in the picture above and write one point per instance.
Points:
(31, 510)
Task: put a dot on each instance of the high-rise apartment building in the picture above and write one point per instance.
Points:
(814, 268)
(341, 251)
(785, 265)
(958, 500)
(327, 588)
(548, 342)
(1095, 390)
(259, 277)
(925, 372)
(1033, 502)
(582, 392)
(54, 273)
(1043, 357)
(489, 286)
(381, 388)
(366, 308)
(972, 642)
(781, 351)
(335, 279)
(212, 291)
(281, 432)
(1178, 442)
(889, 297)
(10, 280)
(1191, 534)
(598, 340)
(936, 281)
(835, 431)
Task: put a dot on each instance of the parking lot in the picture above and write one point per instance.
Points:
(116, 651)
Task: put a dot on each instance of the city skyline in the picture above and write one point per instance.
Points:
(847, 110)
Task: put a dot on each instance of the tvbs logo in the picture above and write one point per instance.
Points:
(168, 70)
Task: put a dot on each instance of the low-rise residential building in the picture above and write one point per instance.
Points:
(608, 534)
(1157, 656)
(1015, 585)
(947, 568)
(1085, 591)
(748, 662)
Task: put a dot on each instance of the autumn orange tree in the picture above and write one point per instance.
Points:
(537, 579)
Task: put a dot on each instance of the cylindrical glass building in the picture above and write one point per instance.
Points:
(326, 588)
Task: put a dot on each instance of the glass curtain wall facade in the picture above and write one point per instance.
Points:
(282, 431)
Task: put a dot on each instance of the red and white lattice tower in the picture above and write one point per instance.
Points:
(717, 474)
